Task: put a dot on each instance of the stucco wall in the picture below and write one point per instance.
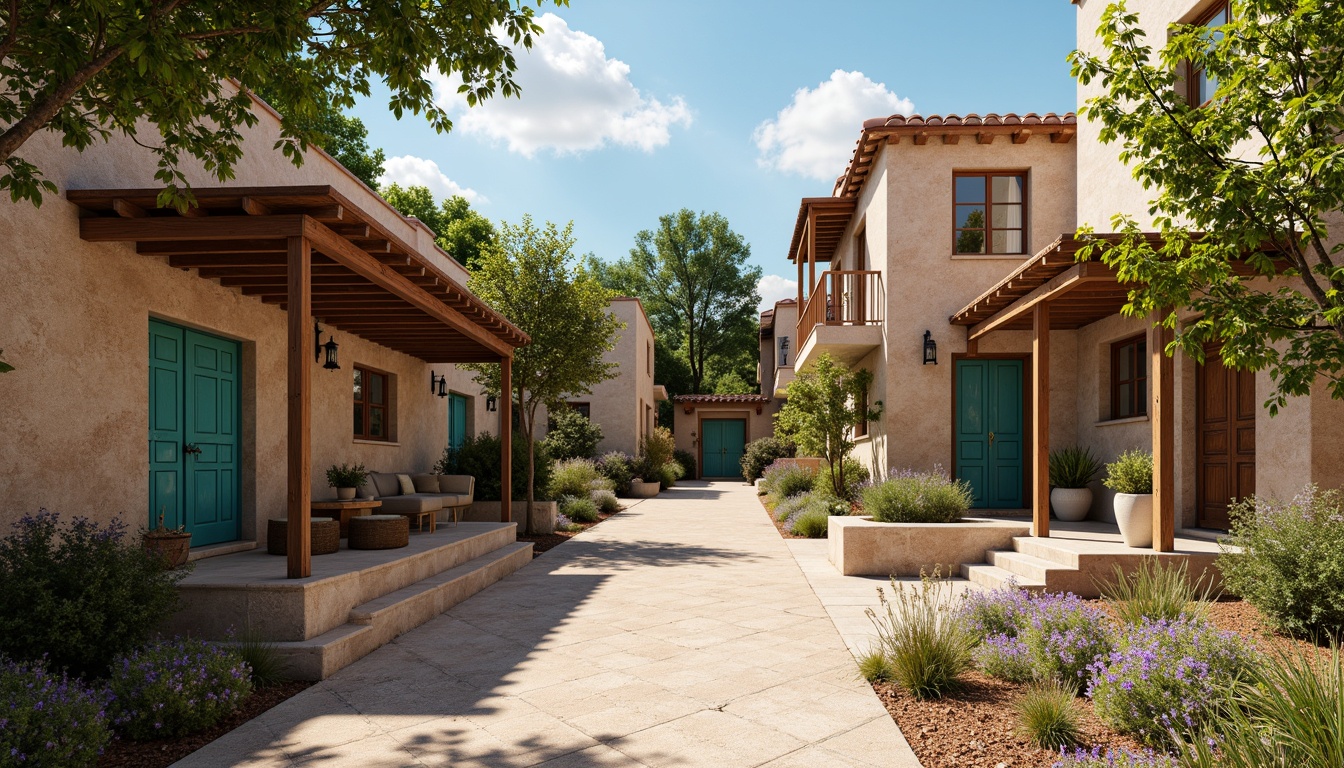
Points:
(688, 430)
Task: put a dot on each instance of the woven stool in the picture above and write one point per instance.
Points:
(379, 532)
(324, 536)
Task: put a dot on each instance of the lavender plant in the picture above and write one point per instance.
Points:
(908, 496)
(176, 687)
(1113, 758)
(1165, 679)
(1025, 636)
(48, 719)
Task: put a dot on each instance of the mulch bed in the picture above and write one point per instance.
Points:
(164, 752)
(769, 507)
(550, 541)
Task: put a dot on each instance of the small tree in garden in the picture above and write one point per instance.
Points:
(530, 276)
(824, 405)
(572, 435)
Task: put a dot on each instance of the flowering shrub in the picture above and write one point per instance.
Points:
(760, 454)
(563, 523)
(176, 687)
(580, 509)
(575, 477)
(1113, 758)
(999, 612)
(1026, 636)
(605, 500)
(619, 468)
(78, 594)
(788, 480)
(908, 496)
(49, 720)
(1165, 678)
(1004, 657)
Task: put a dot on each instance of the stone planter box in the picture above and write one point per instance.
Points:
(543, 514)
(860, 547)
(642, 490)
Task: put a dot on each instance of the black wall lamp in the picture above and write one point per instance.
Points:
(491, 403)
(330, 348)
(438, 385)
(930, 349)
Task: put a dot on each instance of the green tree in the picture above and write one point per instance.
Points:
(414, 201)
(692, 275)
(90, 69)
(530, 275)
(343, 137)
(824, 405)
(1245, 184)
(458, 229)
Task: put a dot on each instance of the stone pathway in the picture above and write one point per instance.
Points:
(679, 633)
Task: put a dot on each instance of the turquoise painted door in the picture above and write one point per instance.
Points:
(457, 420)
(722, 445)
(989, 431)
(193, 433)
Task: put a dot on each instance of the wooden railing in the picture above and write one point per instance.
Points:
(843, 298)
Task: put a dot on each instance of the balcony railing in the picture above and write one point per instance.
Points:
(844, 298)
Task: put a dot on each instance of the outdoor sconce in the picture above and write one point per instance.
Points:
(930, 349)
(491, 403)
(438, 385)
(783, 351)
(330, 348)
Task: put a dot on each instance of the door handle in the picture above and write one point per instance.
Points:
(191, 449)
(991, 438)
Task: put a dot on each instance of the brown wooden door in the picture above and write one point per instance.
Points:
(1224, 438)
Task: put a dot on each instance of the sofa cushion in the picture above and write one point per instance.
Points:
(404, 481)
(425, 483)
(459, 484)
(414, 502)
(367, 490)
(455, 499)
(387, 484)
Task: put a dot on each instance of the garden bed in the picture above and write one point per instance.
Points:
(548, 541)
(860, 546)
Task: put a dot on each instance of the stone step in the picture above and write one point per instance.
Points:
(1028, 567)
(1044, 549)
(994, 577)
(381, 620)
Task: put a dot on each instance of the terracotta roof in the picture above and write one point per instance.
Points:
(721, 399)
(786, 301)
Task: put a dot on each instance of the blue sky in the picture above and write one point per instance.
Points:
(632, 109)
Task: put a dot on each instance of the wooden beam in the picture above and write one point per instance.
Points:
(1040, 420)
(921, 138)
(1072, 278)
(985, 137)
(254, 207)
(1020, 137)
(1063, 136)
(128, 210)
(298, 498)
(276, 248)
(811, 254)
(506, 438)
(951, 138)
(1162, 413)
(176, 228)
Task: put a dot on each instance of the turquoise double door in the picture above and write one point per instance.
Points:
(457, 421)
(193, 433)
(989, 431)
(722, 444)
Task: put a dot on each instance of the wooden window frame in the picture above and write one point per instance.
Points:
(1139, 369)
(1193, 75)
(989, 229)
(369, 407)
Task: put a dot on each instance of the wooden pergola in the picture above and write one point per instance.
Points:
(1053, 291)
(320, 257)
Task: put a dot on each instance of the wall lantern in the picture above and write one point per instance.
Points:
(930, 349)
(491, 403)
(783, 351)
(329, 348)
(438, 385)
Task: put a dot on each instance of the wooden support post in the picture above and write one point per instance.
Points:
(1040, 420)
(811, 251)
(299, 447)
(506, 439)
(1162, 416)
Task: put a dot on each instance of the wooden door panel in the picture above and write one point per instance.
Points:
(1225, 415)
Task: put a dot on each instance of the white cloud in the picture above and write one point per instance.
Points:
(814, 135)
(773, 288)
(574, 99)
(409, 170)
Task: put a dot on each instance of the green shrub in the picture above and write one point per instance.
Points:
(49, 720)
(1073, 467)
(1157, 591)
(176, 687)
(1048, 715)
(669, 474)
(1114, 758)
(78, 595)
(857, 477)
(760, 454)
(917, 497)
(605, 500)
(580, 509)
(875, 667)
(346, 476)
(264, 662)
(813, 523)
(1131, 472)
(479, 457)
(572, 436)
(655, 449)
(687, 461)
(619, 468)
(1291, 560)
(924, 635)
(792, 506)
(575, 477)
(789, 480)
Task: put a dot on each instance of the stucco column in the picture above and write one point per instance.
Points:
(298, 500)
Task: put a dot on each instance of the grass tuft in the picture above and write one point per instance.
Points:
(1049, 716)
(1158, 591)
(875, 667)
(924, 635)
(260, 655)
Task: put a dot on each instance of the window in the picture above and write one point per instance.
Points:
(371, 400)
(1129, 378)
(861, 426)
(988, 212)
(1199, 84)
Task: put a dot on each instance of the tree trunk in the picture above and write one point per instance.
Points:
(45, 108)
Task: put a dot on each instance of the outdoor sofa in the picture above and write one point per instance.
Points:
(413, 495)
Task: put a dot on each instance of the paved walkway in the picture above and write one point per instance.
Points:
(679, 633)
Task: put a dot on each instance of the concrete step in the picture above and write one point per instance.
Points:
(994, 577)
(1045, 549)
(382, 619)
(1027, 567)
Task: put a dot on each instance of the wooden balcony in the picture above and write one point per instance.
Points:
(842, 316)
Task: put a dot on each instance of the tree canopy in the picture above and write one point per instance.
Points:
(87, 70)
(459, 229)
(1246, 185)
(532, 277)
(825, 403)
(343, 137)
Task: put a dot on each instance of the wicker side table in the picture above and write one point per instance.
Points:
(324, 532)
(379, 532)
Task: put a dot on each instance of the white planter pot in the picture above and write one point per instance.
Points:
(1134, 515)
(642, 490)
(345, 494)
(1071, 504)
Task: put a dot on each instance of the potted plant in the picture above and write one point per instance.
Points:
(1131, 477)
(642, 490)
(172, 545)
(346, 479)
(1071, 469)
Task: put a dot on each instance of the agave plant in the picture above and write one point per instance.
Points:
(1073, 467)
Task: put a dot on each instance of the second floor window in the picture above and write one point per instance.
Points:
(989, 213)
(371, 398)
(1201, 84)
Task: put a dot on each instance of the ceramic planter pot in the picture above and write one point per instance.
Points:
(642, 490)
(1071, 504)
(345, 494)
(1134, 515)
(172, 548)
